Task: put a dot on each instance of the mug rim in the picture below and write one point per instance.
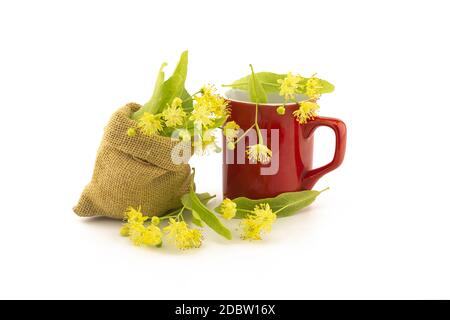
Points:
(268, 104)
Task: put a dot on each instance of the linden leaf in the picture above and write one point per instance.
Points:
(256, 91)
(326, 86)
(268, 80)
(187, 202)
(192, 202)
(204, 198)
(152, 104)
(187, 101)
(174, 86)
(196, 219)
(286, 204)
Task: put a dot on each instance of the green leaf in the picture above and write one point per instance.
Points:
(256, 91)
(187, 101)
(204, 198)
(269, 81)
(193, 203)
(174, 86)
(326, 86)
(166, 91)
(285, 204)
(196, 219)
(152, 104)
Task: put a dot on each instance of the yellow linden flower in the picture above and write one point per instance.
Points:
(208, 89)
(260, 220)
(155, 220)
(152, 236)
(306, 111)
(132, 217)
(150, 124)
(173, 115)
(259, 153)
(313, 87)
(135, 216)
(176, 102)
(206, 142)
(135, 231)
(141, 235)
(216, 105)
(265, 216)
(250, 230)
(231, 130)
(231, 145)
(125, 231)
(201, 115)
(289, 85)
(131, 132)
(281, 110)
(227, 209)
(219, 106)
(182, 236)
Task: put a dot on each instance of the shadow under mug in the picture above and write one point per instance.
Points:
(294, 150)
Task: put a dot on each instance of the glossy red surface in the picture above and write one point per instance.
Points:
(295, 153)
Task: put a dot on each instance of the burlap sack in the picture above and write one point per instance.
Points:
(133, 171)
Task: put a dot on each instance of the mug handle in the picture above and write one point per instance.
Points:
(312, 176)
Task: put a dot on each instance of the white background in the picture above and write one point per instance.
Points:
(382, 231)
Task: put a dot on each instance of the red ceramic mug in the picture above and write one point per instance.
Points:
(294, 151)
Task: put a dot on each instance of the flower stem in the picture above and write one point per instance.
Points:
(180, 214)
(270, 84)
(244, 134)
(258, 131)
(292, 203)
(167, 217)
(192, 96)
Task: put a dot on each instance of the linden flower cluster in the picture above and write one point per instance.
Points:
(228, 209)
(259, 153)
(182, 236)
(171, 117)
(257, 222)
(289, 86)
(292, 85)
(138, 232)
(208, 107)
(231, 131)
(144, 234)
(306, 111)
(209, 110)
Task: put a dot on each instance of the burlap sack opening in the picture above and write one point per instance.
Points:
(133, 171)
